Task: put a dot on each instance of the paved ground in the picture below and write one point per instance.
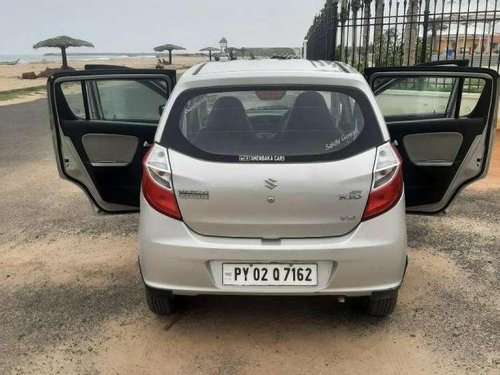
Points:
(71, 299)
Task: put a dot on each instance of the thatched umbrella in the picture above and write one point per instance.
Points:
(210, 50)
(63, 42)
(169, 48)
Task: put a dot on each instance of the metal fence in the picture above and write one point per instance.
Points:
(366, 33)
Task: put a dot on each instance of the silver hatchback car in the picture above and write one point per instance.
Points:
(274, 177)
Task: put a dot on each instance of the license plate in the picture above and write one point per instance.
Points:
(297, 274)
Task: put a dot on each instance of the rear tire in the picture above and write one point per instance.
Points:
(160, 302)
(381, 305)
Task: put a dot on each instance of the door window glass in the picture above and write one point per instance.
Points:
(74, 97)
(129, 100)
(473, 87)
(415, 97)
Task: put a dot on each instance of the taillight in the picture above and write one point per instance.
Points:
(387, 184)
(157, 185)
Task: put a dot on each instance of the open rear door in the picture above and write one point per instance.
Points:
(442, 120)
(102, 123)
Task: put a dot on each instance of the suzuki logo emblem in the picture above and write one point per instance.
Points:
(270, 183)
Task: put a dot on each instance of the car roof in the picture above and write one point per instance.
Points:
(267, 66)
(270, 72)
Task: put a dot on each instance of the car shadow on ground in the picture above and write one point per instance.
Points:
(262, 310)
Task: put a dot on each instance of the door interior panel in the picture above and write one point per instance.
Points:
(116, 184)
(426, 184)
(110, 149)
(433, 149)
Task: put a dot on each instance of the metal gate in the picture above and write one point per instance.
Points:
(396, 33)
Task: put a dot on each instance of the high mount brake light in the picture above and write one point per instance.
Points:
(270, 94)
(387, 185)
(157, 186)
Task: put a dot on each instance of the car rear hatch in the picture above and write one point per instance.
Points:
(272, 164)
(272, 201)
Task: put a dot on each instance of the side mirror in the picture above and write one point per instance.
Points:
(161, 108)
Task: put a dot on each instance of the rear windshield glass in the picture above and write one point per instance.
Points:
(275, 124)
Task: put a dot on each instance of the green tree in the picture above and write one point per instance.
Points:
(389, 50)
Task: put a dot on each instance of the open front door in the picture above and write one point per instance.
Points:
(442, 120)
(102, 123)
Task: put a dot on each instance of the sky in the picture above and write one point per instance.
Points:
(140, 25)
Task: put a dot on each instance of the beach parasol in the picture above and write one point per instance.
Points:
(62, 42)
(210, 50)
(169, 48)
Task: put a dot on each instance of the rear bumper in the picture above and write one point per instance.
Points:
(371, 258)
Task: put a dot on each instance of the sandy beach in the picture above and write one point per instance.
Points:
(9, 74)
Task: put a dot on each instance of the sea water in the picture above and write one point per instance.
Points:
(49, 57)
